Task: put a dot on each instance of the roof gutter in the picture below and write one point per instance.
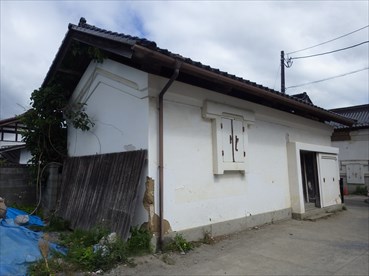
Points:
(161, 151)
(253, 90)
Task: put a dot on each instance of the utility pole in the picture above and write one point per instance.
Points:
(283, 87)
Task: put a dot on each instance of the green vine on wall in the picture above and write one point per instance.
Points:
(46, 124)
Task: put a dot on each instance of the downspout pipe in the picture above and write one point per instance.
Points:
(161, 152)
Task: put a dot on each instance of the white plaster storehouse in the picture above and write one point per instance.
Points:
(224, 153)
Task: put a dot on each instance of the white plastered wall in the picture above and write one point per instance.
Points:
(122, 102)
(193, 195)
(116, 101)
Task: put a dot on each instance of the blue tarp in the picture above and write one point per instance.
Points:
(12, 213)
(18, 244)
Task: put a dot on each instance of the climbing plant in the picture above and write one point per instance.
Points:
(50, 114)
(46, 124)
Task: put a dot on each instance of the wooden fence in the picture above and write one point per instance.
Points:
(101, 189)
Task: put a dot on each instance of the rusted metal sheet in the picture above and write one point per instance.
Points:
(101, 190)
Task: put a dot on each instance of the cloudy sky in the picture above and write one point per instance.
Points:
(240, 37)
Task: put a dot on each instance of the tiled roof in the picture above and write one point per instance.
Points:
(132, 41)
(120, 37)
(360, 113)
(303, 96)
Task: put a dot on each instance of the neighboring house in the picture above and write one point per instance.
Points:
(353, 143)
(304, 97)
(11, 146)
(224, 153)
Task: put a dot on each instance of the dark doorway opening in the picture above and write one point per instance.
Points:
(310, 180)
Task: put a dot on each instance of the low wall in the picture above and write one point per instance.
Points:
(16, 186)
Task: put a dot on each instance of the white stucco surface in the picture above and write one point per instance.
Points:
(123, 104)
(116, 102)
(194, 195)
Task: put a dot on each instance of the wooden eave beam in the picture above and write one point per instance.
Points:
(244, 87)
(105, 44)
(69, 72)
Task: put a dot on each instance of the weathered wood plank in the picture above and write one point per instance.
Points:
(101, 189)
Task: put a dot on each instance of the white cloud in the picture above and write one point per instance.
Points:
(241, 37)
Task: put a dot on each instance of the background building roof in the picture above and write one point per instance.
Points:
(359, 113)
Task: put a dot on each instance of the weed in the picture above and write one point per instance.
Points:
(83, 238)
(82, 254)
(56, 224)
(56, 265)
(180, 244)
(208, 238)
(91, 250)
(140, 241)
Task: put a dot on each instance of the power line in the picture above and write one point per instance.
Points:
(330, 78)
(330, 52)
(328, 41)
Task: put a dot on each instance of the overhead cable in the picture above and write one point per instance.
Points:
(328, 41)
(330, 52)
(330, 78)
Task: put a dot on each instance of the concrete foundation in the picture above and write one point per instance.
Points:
(317, 211)
(232, 226)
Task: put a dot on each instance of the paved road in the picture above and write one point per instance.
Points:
(337, 245)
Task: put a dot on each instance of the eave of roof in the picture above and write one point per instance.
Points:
(12, 148)
(146, 54)
(9, 121)
(360, 113)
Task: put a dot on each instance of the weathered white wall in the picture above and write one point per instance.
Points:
(122, 102)
(194, 196)
(354, 151)
(116, 101)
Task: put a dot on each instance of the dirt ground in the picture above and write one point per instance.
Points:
(337, 245)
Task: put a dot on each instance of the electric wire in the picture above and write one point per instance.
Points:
(328, 41)
(330, 52)
(326, 79)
